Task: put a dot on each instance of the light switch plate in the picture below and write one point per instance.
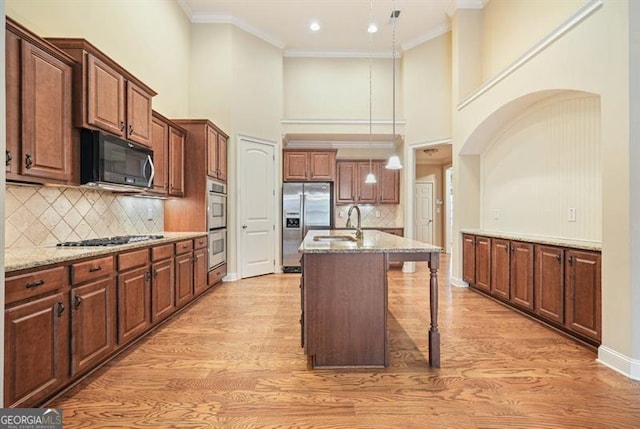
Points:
(571, 214)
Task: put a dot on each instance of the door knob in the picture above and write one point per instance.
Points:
(244, 226)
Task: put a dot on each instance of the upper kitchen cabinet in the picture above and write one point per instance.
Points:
(216, 142)
(106, 96)
(167, 141)
(352, 189)
(38, 106)
(306, 165)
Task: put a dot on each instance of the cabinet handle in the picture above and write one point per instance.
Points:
(130, 129)
(559, 258)
(94, 269)
(60, 308)
(570, 259)
(147, 276)
(9, 158)
(28, 162)
(77, 301)
(35, 284)
(122, 126)
(513, 249)
(155, 273)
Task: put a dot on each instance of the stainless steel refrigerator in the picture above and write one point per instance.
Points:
(305, 206)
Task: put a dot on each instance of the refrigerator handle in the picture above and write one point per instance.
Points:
(303, 226)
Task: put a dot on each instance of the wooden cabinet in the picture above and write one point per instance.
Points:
(216, 153)
(39, 131)
(483, 263)
(583, 293)
(167, 141)
(134, 295)
(310, 165)
(184, 272)
(200, 267)
(352, 189)
(106, 96)
(163, 283)
(561, 286)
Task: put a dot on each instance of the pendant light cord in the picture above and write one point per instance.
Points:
(370, 81)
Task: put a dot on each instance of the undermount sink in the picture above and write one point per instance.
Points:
(334, 238)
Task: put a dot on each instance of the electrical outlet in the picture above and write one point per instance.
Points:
(149, 213)
(496, 214)
(378, 213)
(341, 214)
(571, 214)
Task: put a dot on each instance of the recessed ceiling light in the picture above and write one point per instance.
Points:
(314, 26)
(372, 28)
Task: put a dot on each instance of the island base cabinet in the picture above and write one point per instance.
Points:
(36, 347)
(344, 309)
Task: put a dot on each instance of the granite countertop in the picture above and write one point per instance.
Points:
(551, 241)
(33, 257)
(372, 241)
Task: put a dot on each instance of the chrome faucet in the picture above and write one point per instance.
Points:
(358, 228)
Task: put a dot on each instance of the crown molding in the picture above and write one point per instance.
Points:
(294, 53)
(338, 144)
(436, 32)
(301, 121)
(465, 4)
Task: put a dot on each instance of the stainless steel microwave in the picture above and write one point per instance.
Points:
(112, 163)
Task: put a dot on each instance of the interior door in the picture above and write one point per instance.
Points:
(424, 212)
(257, 207)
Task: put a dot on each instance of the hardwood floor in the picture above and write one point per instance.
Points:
(233, 360)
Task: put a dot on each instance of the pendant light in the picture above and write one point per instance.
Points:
(371, 178)
(394, 161)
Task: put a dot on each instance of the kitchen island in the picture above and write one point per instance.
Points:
(344, 296)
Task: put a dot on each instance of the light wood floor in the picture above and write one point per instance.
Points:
(233, 360)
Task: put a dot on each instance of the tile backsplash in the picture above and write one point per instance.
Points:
(380, 216)
(43, 215)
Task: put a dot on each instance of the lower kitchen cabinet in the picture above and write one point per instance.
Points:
(134, 295)
(561, 286)
(184, 272)
(36, 349)
(483, 263)
(200, 266)
(215, 275)
(163, 284)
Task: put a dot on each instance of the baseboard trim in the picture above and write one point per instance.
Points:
(619, 362)
(458, 282)
(231, 277)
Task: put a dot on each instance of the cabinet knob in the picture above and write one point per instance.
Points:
(559, 258)
(8, 158)
(28, 161)
(77, 301)
(60, 308)
(130, 129)
(122, 126)
(570, 260)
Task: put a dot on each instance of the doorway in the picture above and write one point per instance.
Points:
(448, 218)
(257, 206)
(423, 203)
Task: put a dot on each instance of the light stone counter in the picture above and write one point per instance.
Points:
(33, 257)
(551, 241)
(372, 241)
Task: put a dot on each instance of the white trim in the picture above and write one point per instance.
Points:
(434, 33)
(428, 143)
(231, 277)
(301, 121)
(322, 144)
(276, 180)
(295, 53)
(563, 29)
(465, 4)
(618, 362)
(457, 282)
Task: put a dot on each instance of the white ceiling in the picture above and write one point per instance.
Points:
(285, 23)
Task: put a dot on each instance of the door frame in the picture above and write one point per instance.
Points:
(433, 206)
(241, 139)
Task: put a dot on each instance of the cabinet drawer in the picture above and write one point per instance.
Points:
(89, 270)
(200, 243)
(129, 260)
(217, 274)
(162, 252)
(32, 284)
(184, 246)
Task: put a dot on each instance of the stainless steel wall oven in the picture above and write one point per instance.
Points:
(217, 222)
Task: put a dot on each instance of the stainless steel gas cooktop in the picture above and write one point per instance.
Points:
(109, 241)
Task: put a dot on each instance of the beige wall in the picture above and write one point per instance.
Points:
(525, 22)
(148, 38)
(540, 165)
(574, 62)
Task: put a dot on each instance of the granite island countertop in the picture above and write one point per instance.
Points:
(373, 241)
(551, 241)
(34, 257)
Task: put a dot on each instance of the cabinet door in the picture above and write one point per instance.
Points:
(582, 283)
(322, 166)
(500, 268)
(522, 274)
(295, 166)
(222, 157)
(93, 323)
(134, 304)
(162, 289)
(13, 104)
(46, 115)
(184, 279)
(549, 283)
(388, 185)
(36, 350)
(105, 97)
(138, 115)
(367, 193)
(160, 146)
(212, 151)
(483, 263)
(346, 183)
(176, 162)
(469, 258)
(200, 265)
